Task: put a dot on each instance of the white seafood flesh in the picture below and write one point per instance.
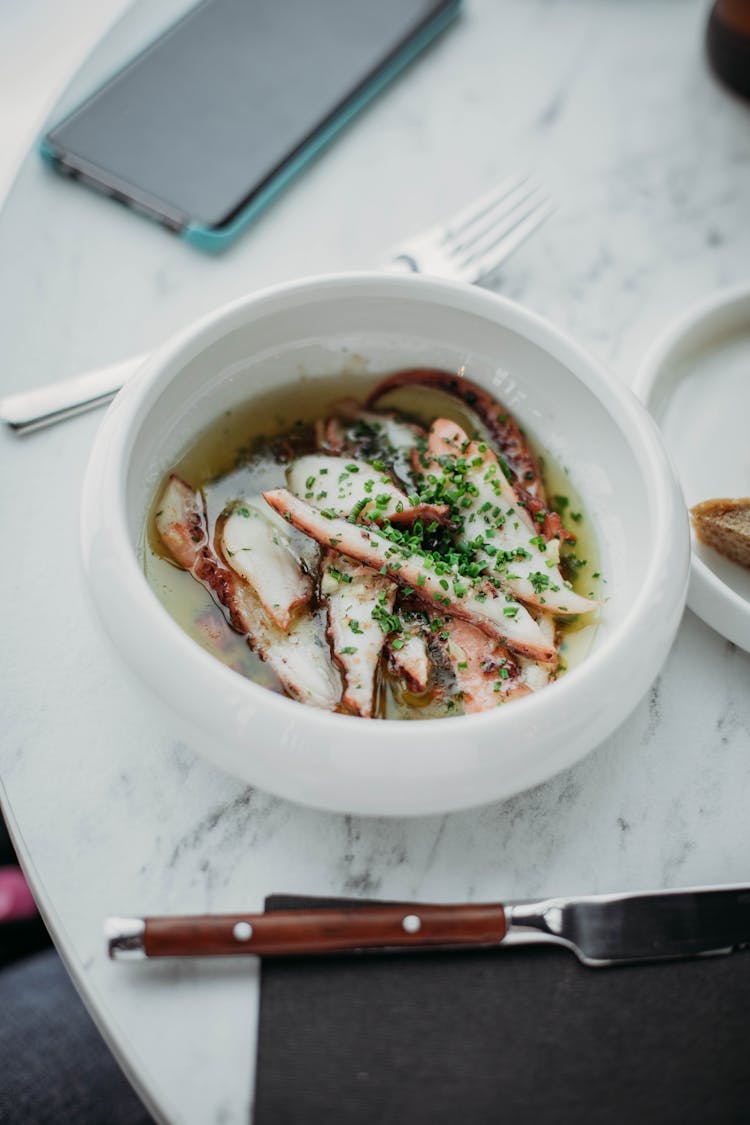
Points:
(301, 656)
(409, 658)
(261, 553)
(392, 436)
(496, 613)
(355, 490)
(358, 599)
(533, 674)
(180, 522)
(340, 484)
(398, 434)
(486, 674)
(498, 526)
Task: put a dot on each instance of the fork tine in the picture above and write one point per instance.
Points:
(479, 207)
(494, 218)
(506, 226)
(475, 241)
(479, 267)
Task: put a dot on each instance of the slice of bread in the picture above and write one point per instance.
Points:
(725, 526)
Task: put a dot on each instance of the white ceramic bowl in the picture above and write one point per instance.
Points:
(586, 420)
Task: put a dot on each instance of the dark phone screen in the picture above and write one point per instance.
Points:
(194, 125)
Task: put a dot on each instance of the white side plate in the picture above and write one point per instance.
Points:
(695, 380)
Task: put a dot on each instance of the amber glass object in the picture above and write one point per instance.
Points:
(728, 43)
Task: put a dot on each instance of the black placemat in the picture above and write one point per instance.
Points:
(470, 1038)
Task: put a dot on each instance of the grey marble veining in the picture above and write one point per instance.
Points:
(649, 161)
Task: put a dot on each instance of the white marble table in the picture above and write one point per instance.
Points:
(650, 162)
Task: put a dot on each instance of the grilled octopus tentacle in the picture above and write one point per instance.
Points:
(500, 424)
(478, 602)
(300, 657)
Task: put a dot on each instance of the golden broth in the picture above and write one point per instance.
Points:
(230, 460)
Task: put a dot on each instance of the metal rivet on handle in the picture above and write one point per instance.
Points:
(242, 931)
(412, 924)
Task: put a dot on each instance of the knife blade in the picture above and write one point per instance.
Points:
(601, 930)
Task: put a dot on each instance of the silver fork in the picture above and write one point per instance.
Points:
(469, 247)
(473, 243)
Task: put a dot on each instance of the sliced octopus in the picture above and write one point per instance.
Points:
(262, 555)
(300, 656)
(496, 613)
(356, 490)
(371, 434)
(502, 427)
(425, 555)
(358, 600)
(409, 658)
(486, 674)
(498, 525)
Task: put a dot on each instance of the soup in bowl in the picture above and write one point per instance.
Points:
(354, 501)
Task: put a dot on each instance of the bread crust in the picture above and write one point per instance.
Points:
(724, 524)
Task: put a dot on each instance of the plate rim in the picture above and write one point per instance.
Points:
(709, 596)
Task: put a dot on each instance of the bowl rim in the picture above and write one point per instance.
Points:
(128, 413)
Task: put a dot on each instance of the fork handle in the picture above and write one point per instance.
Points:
(288, 932)
(43, 406)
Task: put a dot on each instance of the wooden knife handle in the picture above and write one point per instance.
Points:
(285, 932)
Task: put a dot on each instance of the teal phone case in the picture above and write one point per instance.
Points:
(216, 239)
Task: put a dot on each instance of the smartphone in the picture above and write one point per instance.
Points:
(205, 126)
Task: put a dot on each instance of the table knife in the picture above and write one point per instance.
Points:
(601, 930)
